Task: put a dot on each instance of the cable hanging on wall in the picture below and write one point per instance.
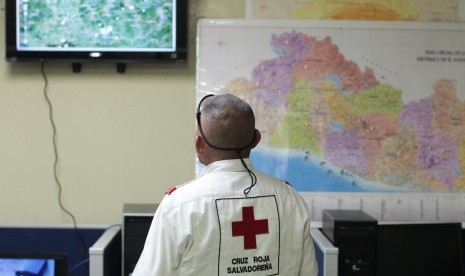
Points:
(56, 161)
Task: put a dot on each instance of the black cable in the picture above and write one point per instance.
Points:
(55, 164)
(77, 266)
(253, 177)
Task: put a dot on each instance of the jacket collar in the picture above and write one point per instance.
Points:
(231, 165)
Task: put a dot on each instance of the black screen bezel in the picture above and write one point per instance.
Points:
(178, 56)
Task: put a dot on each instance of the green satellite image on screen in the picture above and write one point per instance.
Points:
(96, 24)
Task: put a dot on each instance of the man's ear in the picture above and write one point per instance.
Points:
(258, 137)
(199, 145)
(202, 150)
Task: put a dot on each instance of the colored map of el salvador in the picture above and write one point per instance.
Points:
(329, 125)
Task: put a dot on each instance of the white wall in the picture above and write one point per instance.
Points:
(120, 137)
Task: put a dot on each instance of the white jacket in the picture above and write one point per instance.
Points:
(209, 227)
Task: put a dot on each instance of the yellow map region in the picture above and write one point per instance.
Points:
(389, 10)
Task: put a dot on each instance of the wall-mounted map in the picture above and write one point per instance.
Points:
(388, 10)
(347, 106)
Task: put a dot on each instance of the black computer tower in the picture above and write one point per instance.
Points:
(354, 233)
(137, 219)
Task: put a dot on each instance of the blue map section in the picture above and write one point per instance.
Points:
(307, 173)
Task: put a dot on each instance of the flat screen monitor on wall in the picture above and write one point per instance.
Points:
(420, 249)
(87, 30)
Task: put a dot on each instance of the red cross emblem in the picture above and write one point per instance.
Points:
(249, 228)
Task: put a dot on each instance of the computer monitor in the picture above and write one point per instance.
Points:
(429, 249)
(105, 254)
(33, 264)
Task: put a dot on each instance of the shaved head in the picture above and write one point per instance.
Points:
(228, 123)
